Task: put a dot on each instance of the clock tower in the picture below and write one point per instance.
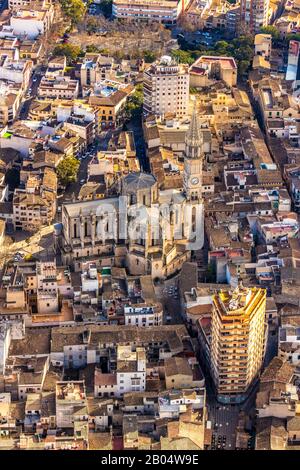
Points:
(193, 160)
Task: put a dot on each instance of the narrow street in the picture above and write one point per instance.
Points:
(136, 128)
(33, 84)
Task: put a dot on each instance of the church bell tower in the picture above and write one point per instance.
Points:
(193, 160)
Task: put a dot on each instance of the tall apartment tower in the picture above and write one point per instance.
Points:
(253, 15)
(237, 341)
(166, 88)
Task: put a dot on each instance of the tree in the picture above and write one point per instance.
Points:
(222, 47)
(106, 8)
(134, 105)
(149, 56)
(71, 52)
(243, 67)
(67, 170)
(92, 25)
(183, 57)
(293, 37)
(271, 30)
(73, 9)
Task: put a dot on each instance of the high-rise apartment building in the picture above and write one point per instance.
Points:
(237, 341)
(253, 15)
(166, 88)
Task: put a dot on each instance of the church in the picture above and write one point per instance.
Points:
(144, 229)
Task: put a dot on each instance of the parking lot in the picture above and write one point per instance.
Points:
(168, 294)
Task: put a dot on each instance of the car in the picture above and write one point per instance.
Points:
(82, 181)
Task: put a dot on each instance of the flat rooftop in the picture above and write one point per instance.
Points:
(70, 391)
(205, 61)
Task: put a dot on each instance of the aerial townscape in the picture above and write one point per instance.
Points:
(149, 225)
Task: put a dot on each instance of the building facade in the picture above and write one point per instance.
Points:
(254, 14)
(166, 88)
(163, 11)
(237, 341)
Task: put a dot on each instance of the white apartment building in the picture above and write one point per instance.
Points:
(163, 11)
(10, 100)
(5, 338)
(95, 68)
(263, 45)
(166, 88)
(70, 397)
(16, 4)
(289, 342)
(143, 316)
(58, 88)
(32, 23)
(16, 71)
(90, 280)
(130, 374)
(131, 370)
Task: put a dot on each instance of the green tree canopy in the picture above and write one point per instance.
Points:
(149, 56)
(184, 57)
(134, 105)
(67, 170)
(69, 50)
(73, 9)
(293, 36)
(241, 48)
(271, 30)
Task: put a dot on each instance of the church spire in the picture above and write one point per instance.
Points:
(193, 160)
(193, 138)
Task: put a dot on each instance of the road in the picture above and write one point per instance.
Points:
(33, 84)
(224, 417)
(136, 127)
(272, 345)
